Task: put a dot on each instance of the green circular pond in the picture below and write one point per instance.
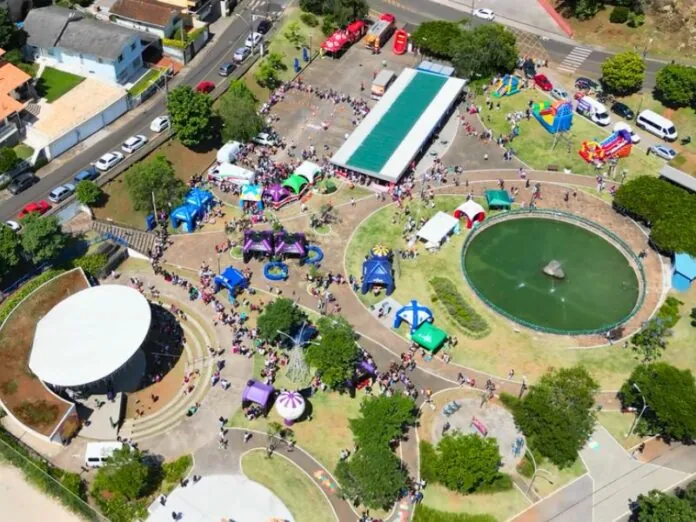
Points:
(594, 289)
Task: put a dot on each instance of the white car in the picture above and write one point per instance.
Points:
(619, 126)
(58, 194)
(159, 124)
(663, 151)
(108, 160)
(560, 93)
(484, 14)
(133, 143)
(264, 139)
(13, 225)
(253, 39)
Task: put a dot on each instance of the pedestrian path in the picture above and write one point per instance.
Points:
(574, 60)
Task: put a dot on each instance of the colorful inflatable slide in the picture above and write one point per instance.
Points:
(617, 145)
(554, 117)
(507, 86)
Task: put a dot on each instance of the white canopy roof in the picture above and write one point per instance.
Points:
(232, 173)
(308, 170)
(470, 208)
(89, 335)
(437, 227)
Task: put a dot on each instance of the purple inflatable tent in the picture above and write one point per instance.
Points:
(276, 192)
(286, 244)
(257, 242)
(259, 393)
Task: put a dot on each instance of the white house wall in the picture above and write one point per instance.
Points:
(143, 27)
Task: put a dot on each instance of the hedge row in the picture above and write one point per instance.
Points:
(63, 485)
(462, 313)
(669, 210)
(426, 514)
(12, 302)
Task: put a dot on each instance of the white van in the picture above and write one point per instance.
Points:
(593, 111)
(97, 452)
(229, 152)
(657, 125)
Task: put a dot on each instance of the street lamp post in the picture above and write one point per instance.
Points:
(536, 470)
(645, 406)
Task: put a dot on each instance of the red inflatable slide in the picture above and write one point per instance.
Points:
(400, 41)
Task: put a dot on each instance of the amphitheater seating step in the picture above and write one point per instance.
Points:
(138, 240)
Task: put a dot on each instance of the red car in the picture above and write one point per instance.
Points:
(543, 82)
(205, 87)
(40, 207)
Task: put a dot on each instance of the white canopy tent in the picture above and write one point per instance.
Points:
(470, 208)
(308, 170)
(232, 174)
(438, 228)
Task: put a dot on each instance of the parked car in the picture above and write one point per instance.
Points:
(60, 193)
(13, 225)
(623, 110)
(22, 182)
(89, 174)
(264, 26)
(108, 160)
(484, 14)
(585, 84)
(226, 69)
(264, 138)
(559, 93)
(253, 39)
(40, 207)
(543, 82)
(134, 143)
(622, 125)
(159, 124)
(205, 87)
(664, 151)
(241, 54)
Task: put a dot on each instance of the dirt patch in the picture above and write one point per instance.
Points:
(28, 398)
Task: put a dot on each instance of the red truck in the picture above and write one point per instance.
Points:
(341, 39)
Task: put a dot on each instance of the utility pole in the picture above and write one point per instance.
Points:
(154, 207)
(645, 406)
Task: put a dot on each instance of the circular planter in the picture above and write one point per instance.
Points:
(236, 253)
(323, 230)
(275, 271)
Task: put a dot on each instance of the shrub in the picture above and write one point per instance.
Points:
(328, 25)
(669, 311)
(312, 6)
(12, 302)
(502, 482)
(457, 307)
(426, 514)
(619, 15)
(176, 470)
(635, 20)
(428, 461)
(309, 19)
(92, 264)
(328, 186)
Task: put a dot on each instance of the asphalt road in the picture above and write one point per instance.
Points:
(219, 50)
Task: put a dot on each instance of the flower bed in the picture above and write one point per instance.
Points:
(460, 311)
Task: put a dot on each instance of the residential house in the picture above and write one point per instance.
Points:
(198, 9)
(15, 91)
(75, 43)
(149, 16)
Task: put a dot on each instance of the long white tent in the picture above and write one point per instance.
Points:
(438, 228)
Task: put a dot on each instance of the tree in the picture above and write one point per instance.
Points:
(373, 475)
(240, 120)
(92, 264)
(10, 249)
(336, 354)
(668, 392)
(11, 37)
(191, 114)
(346, 11)
(623, 73)
(8, 159)
(382, 419)
(467, 463)
(675, 85)
(485, 51)
(657, 506)
(267, 75)
(556, 415)
(42, 239)
(88, 192)
(279, 316)
(124, 474)
(437, 38)
(239, 89)
(651, 340)
(312, 6)
(155, 176)
(293, 34)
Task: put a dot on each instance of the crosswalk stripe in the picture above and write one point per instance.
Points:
(575, 58)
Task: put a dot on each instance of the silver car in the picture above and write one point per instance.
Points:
(559, 93)
(60, 193)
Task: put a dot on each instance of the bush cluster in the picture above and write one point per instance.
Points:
(669, 311)
(669, 210)
(426, 514)
(468, 318)
(619, 15)
(176, 470)
(309, 19)
(11, 303)
(675, 86)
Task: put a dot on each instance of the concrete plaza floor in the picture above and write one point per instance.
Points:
(232, 498)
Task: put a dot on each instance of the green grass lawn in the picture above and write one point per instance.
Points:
(535, 146)
(23, 151)
(54, 83)
(618, 424)
(148, 79)
(558, 477)
(299, 494)
(500, 505)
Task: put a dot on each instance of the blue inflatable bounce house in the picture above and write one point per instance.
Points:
(414, 313)
(196, 203)
(377, 271)
(231, 279)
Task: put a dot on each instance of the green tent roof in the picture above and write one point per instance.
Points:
(295, 183)
(429, 337)
(498, 198)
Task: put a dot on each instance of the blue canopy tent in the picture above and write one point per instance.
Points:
(232, 279)
(186, 214)
(200, 198)
(414, 314)
(684, 271)
(377, 271)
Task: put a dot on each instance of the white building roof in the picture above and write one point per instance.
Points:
(89, 335)
(437, 227)
(680, 178)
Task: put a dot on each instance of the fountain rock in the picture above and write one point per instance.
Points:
(554, 269)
